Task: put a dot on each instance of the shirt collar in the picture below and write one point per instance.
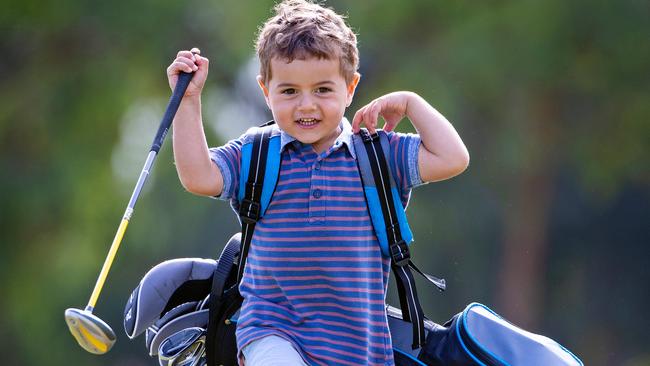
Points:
(345, 138)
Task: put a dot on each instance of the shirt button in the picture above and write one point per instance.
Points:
(317, 166)
(317, 193)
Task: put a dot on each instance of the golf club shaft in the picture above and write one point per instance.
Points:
(170, 112)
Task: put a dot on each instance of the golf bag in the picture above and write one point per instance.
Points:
(477, 336)
(176, 295)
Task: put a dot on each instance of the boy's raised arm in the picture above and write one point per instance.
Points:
(197, 173)
(442, 154)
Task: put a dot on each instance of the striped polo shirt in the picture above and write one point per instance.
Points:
(315, 275)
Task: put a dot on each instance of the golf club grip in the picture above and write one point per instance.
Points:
(175, 100)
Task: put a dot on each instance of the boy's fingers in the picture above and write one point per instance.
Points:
(191, 56)
(201, 61)
(360, 118)
(191, 63)
(185, 54)
(202, 64)
(180, 65)
(371, 116)
(388, 126)
(356, 121)
(179, 61)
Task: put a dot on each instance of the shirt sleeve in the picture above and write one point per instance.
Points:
(228, 160)
(403, 162)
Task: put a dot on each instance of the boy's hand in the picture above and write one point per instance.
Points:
(189, 61)
(391, 107)
(441, 154)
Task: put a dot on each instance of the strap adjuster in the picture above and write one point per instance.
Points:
(399, 253)
(250, 211)
(367, 136)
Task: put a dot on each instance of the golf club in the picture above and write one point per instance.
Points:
(183, 348)
(92, 333)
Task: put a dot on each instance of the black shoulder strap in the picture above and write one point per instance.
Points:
(249, 213)
(250, 207)
(220, 281)
(397, 247)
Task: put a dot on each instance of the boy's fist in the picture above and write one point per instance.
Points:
(189, 61)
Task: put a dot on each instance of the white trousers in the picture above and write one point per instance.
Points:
(271, 351)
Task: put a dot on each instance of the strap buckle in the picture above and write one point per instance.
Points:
(250, 211)
(399, 253)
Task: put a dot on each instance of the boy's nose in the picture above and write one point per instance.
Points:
(306, 102)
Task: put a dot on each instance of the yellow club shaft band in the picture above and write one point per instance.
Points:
(107, 263)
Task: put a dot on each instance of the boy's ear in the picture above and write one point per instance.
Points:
(352, 86)
(265, 90)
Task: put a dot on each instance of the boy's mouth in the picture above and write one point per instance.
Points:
(307, 122)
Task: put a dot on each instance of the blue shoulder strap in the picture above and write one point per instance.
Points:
(260, 168)
(270, 170)
(389, 220)
(382, 196)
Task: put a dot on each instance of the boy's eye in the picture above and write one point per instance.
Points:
(289, 91)
(323, 90)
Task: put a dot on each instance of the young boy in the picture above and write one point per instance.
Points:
(315, 280)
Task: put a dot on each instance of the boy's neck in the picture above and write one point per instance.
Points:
(321, 146)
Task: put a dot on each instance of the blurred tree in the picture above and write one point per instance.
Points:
(536, 87)
(69, 71)
(552, 113)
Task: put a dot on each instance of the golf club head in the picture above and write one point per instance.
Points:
(92, 333)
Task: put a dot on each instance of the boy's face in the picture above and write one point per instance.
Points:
(308, 98)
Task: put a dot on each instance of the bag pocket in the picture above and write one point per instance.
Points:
(492, 340)
(478, 337)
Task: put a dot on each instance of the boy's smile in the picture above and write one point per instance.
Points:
(308, 98)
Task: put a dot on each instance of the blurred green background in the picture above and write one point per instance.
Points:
(548, 226)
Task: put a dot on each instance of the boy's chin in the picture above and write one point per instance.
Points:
(308, 140)
(305, 140)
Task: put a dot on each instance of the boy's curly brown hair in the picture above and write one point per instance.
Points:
(301, 29)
